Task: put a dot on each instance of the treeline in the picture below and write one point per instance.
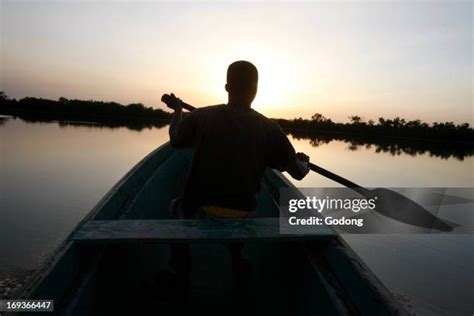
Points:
(109, 113)
(397, 127)
(137, 116)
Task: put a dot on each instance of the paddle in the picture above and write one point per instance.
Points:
(389, 203)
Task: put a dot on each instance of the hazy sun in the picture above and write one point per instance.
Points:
(276, 84)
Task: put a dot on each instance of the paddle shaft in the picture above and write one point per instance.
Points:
(333, 176)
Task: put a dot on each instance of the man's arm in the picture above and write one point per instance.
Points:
(283, 156)
(181, 129)
(175, 120)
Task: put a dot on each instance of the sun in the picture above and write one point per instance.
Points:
(276, 84)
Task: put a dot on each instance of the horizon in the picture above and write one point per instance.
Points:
(170, 111)
(411, 60)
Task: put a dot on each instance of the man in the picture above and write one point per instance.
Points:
(233, 145)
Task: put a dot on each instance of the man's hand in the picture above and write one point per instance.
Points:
(303, 160)
(303, 157)
(175, 103)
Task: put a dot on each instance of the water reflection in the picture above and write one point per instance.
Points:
(134, 125)
(393, 146)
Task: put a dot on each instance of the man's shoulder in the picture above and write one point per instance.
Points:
(269, 123)
(210, 108)
(205, 111)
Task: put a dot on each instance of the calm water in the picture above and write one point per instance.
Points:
(52, 175)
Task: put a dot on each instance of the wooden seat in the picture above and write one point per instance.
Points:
(207, 230)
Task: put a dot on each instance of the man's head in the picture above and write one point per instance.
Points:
(242, 81)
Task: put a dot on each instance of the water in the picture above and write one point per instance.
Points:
(52, 175)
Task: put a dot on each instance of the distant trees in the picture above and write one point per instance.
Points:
(319, 118)
(396, 127)
(355, 119)
(4, 97)
(79, 110)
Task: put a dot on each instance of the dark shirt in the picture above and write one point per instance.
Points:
(233, 147)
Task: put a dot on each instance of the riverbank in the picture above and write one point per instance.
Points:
(395, 146)
(11, 283)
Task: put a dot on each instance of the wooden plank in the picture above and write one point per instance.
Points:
(171, 231)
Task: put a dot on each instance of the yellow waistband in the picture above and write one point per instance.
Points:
(223, 212)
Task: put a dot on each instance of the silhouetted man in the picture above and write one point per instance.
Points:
(233, 145)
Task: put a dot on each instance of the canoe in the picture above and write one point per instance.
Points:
(108, 264)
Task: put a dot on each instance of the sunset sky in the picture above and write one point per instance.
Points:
(408, 59)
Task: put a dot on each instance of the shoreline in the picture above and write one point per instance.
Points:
(137, 122)
(11, 283)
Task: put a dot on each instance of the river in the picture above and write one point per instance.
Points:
(53, 173)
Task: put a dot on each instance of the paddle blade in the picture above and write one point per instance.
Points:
(401, 208)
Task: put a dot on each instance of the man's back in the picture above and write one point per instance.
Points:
(233, 146)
